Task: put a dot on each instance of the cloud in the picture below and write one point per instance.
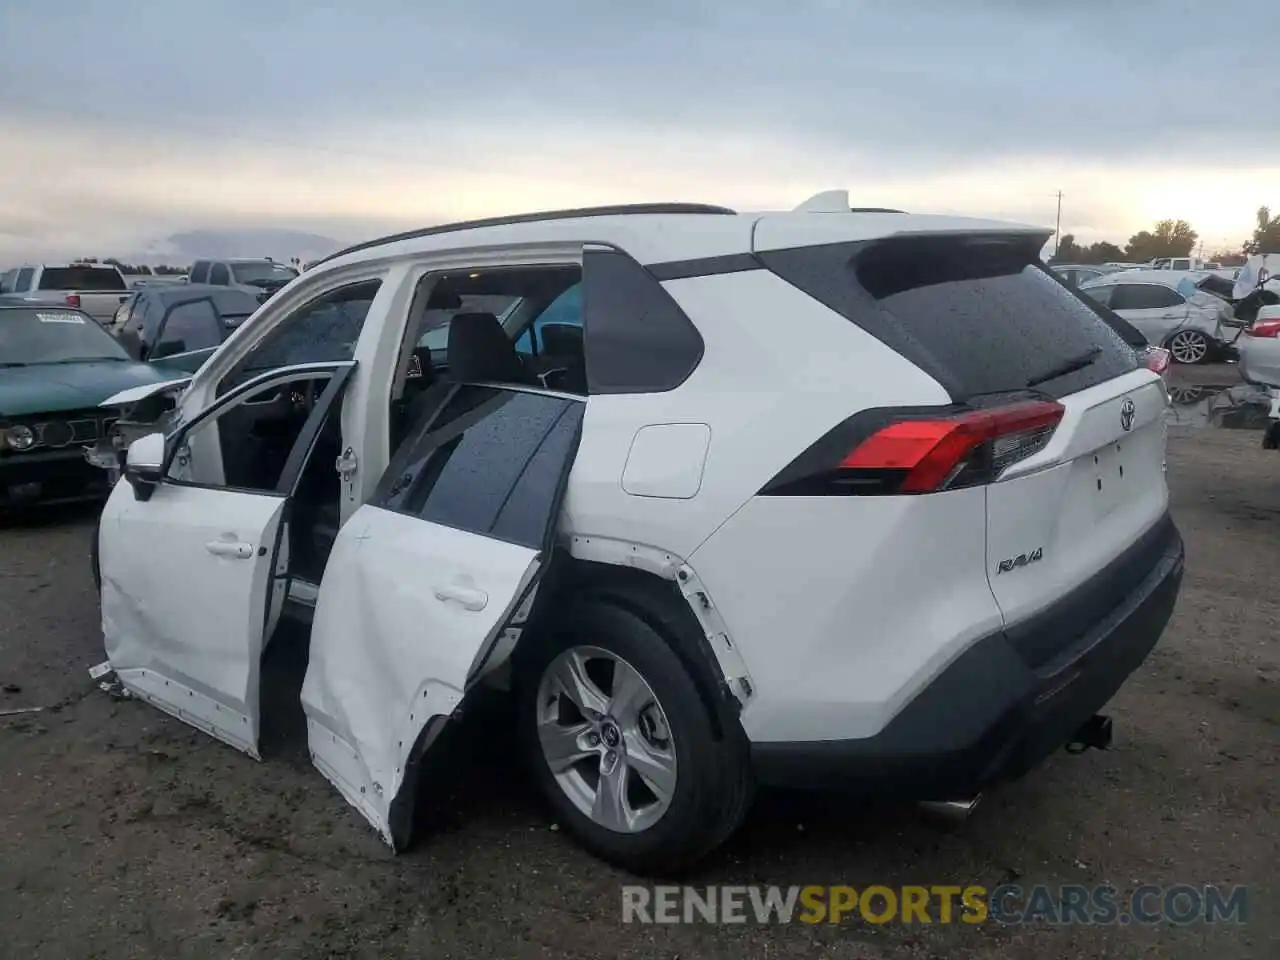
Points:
(158, 116)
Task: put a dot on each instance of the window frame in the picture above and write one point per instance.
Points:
(339, 374)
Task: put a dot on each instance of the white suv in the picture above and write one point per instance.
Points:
(827, 498)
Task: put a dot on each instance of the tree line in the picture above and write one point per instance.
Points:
(1169, 238)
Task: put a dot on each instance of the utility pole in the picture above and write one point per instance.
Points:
(1057, 227)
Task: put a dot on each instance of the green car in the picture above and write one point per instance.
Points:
(57, 365)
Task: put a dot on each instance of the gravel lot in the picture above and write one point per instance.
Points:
(125, 834)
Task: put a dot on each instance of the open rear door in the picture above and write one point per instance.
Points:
(428, 586)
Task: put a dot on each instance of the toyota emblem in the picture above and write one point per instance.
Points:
(1127, 413)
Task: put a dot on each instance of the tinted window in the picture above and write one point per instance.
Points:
(199, 272)
(565, 311)
(1100, 295)
(82, 278)
(325, 330)
(24, 278)
(262, 271)
(981, 315)
(1144, 296)
(493, 462)
(191, 326)
(638, 340)
(219, 275)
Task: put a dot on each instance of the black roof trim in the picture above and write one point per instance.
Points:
(874, 210)
(572, 214)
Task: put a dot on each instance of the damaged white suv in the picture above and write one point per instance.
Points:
(828, 498)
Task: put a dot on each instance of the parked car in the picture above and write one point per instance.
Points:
(260, 277)
(95, 289)
(181, 322)
(1188, 324)
(1074, 274)
(906, 565)
(57, 367)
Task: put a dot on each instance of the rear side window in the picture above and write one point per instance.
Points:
(220, 275)
(638, 340)
(493, 462)
(24, 278)
(191, 326)
(199, 272)
(81, 278)
(1144, 296)
(981, 315)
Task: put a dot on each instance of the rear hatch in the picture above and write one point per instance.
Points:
(1052, 413)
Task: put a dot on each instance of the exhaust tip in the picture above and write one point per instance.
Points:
(952, 811)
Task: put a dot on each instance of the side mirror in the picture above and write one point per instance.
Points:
(143, 463)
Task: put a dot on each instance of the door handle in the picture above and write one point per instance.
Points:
(470, 598)
(235, 549)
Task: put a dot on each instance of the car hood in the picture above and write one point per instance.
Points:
(49, 388)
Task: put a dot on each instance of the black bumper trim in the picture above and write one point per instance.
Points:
(992, 715)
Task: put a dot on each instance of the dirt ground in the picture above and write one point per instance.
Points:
(125, 834)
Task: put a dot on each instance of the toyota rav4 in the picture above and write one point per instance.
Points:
(826, 497)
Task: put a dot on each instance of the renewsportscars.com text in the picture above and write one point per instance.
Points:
(940, 903)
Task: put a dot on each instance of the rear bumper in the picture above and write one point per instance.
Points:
(1008, 701)
(50, 477)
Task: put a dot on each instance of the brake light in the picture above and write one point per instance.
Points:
(73, 300)
(1264, 328)
(922, 452)
(1157, 359)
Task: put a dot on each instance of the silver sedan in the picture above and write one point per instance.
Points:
(1187, 322)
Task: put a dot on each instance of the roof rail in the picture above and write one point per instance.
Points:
(875, 210)
(572, 214)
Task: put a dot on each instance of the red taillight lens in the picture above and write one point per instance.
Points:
(73, 300)
(1263, 328)
(1157, 359)
(973, 447)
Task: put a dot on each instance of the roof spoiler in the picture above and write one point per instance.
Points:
(836, 201)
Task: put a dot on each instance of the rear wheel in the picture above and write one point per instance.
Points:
(1189, 346)
(622, 745)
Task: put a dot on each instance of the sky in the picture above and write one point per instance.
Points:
(124, 123)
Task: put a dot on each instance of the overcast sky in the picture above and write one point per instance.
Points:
(124, 122)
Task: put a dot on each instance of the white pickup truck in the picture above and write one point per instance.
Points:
(95, 289)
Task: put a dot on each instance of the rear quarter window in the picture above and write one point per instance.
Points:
(982, 315)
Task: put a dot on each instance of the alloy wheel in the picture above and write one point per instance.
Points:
(1189, 346)
(606, 739)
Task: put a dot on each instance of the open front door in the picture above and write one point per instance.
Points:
(190, 575)
(428, 586)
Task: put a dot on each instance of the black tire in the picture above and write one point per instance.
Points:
(713, 786)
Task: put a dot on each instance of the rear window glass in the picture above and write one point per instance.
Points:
(981, 315)
(81, 278)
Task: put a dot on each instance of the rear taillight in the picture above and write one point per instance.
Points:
(73, 300)
(1264, 328)
(920, 453)
(1157, 359)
